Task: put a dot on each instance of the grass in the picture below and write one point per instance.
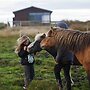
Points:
(11, 72)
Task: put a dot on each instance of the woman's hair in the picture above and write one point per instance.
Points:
(19, 43)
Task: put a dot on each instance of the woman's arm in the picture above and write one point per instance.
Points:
(22, 53)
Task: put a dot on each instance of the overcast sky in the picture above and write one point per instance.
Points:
(62, 8)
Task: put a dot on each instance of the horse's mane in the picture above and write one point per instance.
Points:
(72, 39)
(38, 36)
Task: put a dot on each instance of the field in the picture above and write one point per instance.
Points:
(11, 72)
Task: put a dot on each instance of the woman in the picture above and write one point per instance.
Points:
(27, 60)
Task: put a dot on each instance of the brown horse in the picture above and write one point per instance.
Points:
(76, 41)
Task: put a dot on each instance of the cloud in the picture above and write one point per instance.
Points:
(71, 14)
(12, 4)
(8, 6)
(62, 4)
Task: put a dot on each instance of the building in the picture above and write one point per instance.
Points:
(32, 14)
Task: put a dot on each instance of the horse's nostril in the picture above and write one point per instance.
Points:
(42, 46)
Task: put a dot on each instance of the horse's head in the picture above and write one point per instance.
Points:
(49, 41)
(44, 41)
(35, 46)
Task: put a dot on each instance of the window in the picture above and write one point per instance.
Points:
(37, 17)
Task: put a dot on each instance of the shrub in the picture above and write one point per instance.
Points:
(2, 25)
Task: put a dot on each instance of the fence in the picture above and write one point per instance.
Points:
(29, 23)
(84, 26)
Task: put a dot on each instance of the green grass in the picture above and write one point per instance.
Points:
(11, 72)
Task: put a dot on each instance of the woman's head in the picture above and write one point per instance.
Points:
(22, 41)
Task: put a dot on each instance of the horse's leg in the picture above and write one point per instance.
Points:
(57, 70)
(88, 76)
(67, 75)
(87, 68)
(72, 82)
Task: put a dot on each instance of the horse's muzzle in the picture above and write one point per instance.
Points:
(42, 46)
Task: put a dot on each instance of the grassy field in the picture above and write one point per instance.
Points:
(11, 72)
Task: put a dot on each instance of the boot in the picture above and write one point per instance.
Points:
(60, 88)
(24, 87)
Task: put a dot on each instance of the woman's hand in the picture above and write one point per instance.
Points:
(28, 49)
(25, 48)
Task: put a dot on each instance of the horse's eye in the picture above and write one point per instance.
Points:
(41, 36)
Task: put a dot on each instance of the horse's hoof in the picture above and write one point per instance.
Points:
(72, 84)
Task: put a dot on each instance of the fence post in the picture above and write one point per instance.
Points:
(87, 26)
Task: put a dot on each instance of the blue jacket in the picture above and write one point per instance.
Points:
(62, 25)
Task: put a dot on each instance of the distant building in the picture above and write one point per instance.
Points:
(32, 14)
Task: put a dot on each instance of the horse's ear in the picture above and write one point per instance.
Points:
(51, 28)
(49, 33)
(44, 35)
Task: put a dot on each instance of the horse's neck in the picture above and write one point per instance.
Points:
(52, 51)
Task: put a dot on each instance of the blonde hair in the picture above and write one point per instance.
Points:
(20, 41)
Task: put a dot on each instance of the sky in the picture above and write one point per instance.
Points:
(62, 9)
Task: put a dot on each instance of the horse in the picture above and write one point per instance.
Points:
(75, 41)
(35, 47)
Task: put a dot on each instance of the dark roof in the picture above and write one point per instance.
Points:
(32, 7)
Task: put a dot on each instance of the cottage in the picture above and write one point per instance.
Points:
(32, 14)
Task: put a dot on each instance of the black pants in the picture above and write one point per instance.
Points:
(29, 73)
